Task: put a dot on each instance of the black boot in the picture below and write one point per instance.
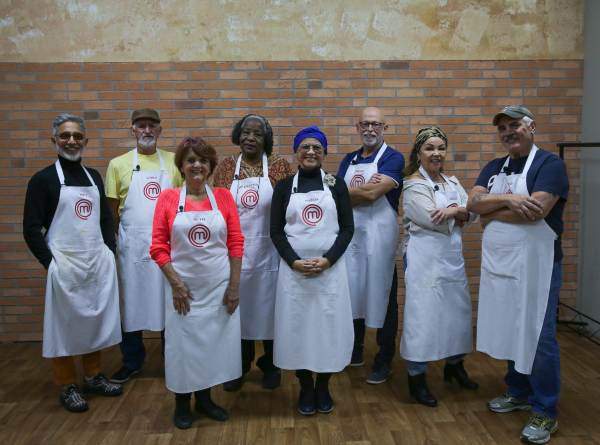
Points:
(236, 384)
(458, 372)
(324, 400)
(307, 402)
(183, 413)
(206, 406)
(417, 386)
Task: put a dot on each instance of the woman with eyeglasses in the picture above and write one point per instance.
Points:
(251, 175)
(438, 320)
(311, 227)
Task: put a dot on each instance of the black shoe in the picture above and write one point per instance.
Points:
(458, 372)
(123, 374)
(324, 400)
(307, 402)
(272, 379)
(183, 414)
(357, 358)
(417, 386)
(71, 399)
(99, 385)
(211, 410)
(234, 385)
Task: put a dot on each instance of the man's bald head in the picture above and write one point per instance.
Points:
(371, 128)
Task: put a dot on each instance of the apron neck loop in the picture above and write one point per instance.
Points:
(433, 186)
(182, 195)
(377, 158)
(61, 175)
(528, 163)
(295, 183)
(136, 167)
(238, 165)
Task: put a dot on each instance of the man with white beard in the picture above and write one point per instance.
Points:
(68, 228)
(133, 182)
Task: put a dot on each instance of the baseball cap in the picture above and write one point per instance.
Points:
(144, 113)
(514, 111)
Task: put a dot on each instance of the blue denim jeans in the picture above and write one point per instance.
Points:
(386, 335)
(541, 388)
(133, 349)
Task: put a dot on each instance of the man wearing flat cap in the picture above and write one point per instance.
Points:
(521, 198)
(133, 182)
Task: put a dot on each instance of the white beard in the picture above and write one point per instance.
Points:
(145, 144)
(70, 157)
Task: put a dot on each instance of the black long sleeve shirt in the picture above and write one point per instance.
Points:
(308, 181)
(41, 201)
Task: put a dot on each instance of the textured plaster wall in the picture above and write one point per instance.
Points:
(265, 30)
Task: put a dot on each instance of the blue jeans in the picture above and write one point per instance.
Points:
(386, 335)
(133, 349)
(541, 388)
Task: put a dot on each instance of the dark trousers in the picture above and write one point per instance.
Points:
(203, 395)
(386, 335)
(305, 374)
(133, 349)
(264, 362)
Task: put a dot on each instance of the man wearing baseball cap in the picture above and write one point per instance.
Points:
(133, 182)
(521, 198)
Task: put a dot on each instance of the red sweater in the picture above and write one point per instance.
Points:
(164, 216)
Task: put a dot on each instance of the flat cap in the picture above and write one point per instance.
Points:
(514, 111)
(144, 113)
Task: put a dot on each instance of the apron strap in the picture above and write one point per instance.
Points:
(433, 186)
(61, 176)
(265, 166)
(238, 165)
(211, 198)
(295, 183)
(182, 195)
(135, 160)
(376, 160)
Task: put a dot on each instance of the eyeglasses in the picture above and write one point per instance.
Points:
(376, 125)
(65, 136)
(316, 148)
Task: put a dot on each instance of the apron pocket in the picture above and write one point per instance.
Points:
(259, 254)
(502, 260)
(80, 268)
(449, 265)
(140, 239)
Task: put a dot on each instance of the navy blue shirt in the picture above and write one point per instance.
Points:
(547, 173)
(390, 164)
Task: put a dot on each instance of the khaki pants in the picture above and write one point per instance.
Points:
(64, 367)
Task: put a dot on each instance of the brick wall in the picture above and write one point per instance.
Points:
(205, 99)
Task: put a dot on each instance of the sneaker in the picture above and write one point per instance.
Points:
(506, 404)
(538, 429)
(99, 385)
(123, 374)
(357, 359)
(71, 399)
(379, 373)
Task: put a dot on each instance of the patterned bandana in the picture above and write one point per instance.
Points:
(311, 132)
(429, 132)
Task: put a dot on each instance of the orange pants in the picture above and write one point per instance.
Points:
(64, 367)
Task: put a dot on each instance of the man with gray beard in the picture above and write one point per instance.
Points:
(133, 182)
(68, 227)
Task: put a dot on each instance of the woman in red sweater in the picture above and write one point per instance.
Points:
(198, 244)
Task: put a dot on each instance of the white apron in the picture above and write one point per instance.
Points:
(371, 255)
(202, 348)
(141, 281)
(260, 264)
(438, 320)
(313, 315)
(82, 294)
(516, 269)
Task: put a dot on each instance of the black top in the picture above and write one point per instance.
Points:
(308, 181)
(41, 200)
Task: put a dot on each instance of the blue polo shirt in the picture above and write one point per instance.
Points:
(390, 164)
(547, 173)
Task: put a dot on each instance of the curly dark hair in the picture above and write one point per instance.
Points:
(201, 148)
(237, 131)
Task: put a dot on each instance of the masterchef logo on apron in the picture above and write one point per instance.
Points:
(83, 208)
(312, 214)
(452, 205)
(357, 180)
(250, 198)
(152, 190)
(199, 235)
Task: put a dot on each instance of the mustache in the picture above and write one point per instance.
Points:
(370, 133)
(512, 137)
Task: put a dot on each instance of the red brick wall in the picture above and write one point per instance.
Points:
(205, 99)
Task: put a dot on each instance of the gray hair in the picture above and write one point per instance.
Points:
(65, 117)
(527, 120)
